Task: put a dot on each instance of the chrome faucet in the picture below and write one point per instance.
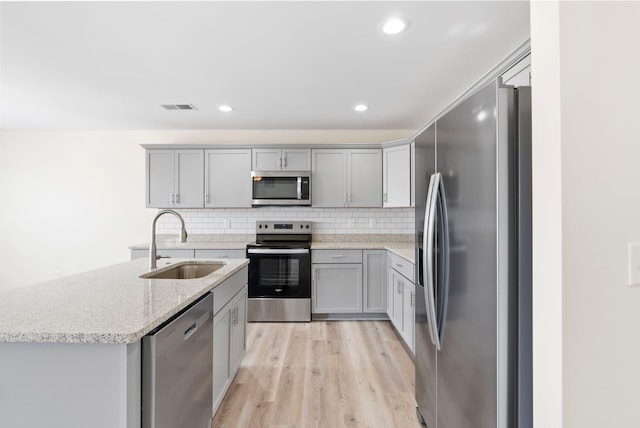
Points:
(152, 248)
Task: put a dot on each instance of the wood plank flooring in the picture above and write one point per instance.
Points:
(321, 374)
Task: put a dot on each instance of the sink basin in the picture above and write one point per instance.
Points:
(185, 270)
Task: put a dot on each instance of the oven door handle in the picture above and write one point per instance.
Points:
(278, 251)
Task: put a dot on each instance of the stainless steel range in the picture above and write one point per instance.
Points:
(280, 272)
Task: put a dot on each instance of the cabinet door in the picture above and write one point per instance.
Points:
(228, 178)
(160, 178)
(364, 178)
(398, 302)
(266, 159)
(336, 288)
(296, 159)
(408, 314)
(189, 176)
(221, 336)
(238, 331)
(329, 171)
(374, 288)
(390, 289)
(397, 176)
(413, 173)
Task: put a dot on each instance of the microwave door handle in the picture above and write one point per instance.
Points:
(299, 188)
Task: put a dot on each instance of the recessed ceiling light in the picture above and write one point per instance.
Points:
(361, 107)
(225, 108)
(394, 25)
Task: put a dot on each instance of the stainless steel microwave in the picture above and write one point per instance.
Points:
(280, 188)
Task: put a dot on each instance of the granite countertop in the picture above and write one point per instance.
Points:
(329, 242)
(200, 242)
(108, 305)
(402, 249)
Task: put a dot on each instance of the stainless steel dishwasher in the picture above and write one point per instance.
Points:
(177, 370)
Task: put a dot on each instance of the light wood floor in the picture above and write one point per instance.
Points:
(321, 374)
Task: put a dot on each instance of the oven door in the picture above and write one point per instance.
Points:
(282, 273)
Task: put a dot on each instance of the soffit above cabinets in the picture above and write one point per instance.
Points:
(280, 65)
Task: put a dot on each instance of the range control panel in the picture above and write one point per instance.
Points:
(283, 227)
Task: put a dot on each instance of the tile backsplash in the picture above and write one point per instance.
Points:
(325, 220)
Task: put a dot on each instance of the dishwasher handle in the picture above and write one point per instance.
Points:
(196, 325)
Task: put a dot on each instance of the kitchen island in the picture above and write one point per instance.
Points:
(70, 349)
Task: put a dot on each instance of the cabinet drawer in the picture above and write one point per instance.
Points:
(336, 256)
(221, 254)
(403, 266)
(224, 292)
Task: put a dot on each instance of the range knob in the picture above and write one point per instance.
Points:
(307, 226)
(301, 226)
(266, 226)
(259, 226)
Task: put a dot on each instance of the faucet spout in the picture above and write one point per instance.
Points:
(152, 248)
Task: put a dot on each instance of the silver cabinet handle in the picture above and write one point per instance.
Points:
(385, 197)
(285, 161)
(345, 199)
(206, 198)
(399, 265)
(337, 256)
(171, 198)
(280, 162)
(413, 299)
(176, 198)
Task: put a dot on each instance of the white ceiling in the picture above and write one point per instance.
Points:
(282, 65)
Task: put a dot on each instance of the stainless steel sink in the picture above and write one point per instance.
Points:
(185, 270)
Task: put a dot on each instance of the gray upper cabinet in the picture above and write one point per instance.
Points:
(329, 178)
(174, 178)
(364, 172)
(281, 159)
(397, 176)
(227, 178)
(346, 178)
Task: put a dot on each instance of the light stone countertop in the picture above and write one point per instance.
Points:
(237, 242)
(402, 249)
(108, 305)
(200, 242)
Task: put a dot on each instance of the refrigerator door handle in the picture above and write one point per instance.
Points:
(428, 240)
(445, 257)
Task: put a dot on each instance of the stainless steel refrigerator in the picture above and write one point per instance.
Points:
(473, 263)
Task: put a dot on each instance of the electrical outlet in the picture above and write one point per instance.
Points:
(227, 223)
(352, 222)
(59, 273)
(372, 222)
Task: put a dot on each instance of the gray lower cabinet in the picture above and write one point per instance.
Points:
(401, 298)
(374, 285)
(336, 288)
(349, 282)
(229, 333)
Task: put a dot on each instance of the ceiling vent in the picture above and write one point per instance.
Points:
(178, 106)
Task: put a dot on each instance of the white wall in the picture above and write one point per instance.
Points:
(74, 201)
(547, 216)
(595, 130)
